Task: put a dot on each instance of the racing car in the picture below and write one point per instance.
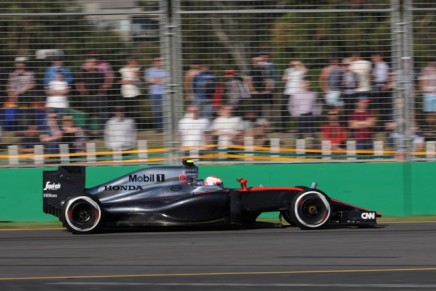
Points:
(175, 196)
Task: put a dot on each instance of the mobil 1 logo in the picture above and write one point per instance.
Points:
(147, 178)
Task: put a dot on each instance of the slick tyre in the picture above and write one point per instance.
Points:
(286, 214)
(310, 209)
(82, 215)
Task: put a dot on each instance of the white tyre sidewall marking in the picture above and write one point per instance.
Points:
(90, 201)
(323, 199)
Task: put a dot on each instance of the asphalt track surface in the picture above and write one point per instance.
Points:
(390, 257)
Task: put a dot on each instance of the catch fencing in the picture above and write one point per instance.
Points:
(270, 81)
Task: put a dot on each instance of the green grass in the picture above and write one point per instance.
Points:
(30, 225)
(417, 218)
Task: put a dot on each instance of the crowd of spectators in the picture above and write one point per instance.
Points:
(355, 100)
(44, 114)
(351, 98)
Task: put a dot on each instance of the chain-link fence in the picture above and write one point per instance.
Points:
(153, 81)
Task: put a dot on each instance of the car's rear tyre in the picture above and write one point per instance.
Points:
(82, 214)
(310, 209)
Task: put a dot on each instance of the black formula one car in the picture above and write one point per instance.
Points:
(174, 196)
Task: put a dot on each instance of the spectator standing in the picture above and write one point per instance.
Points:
(130, 87)
(204, 84)
(227, 128)
(272, 80)
(380, 73)
(194, 131)
(270, 67)
(72, 135)
(305, 107)
(236, 92)
(361, 123)
(21, 82)
(4, 79)
(350, 82)
(330, 81)
(51, 135)
(260, 85)
(120, 131)
(293, 77)
(108, 77)
(427, 82)
(363, 69)
(156, 77)
(57, 94)
(90, 85)
(56, 66)
(188, 82)
(334, 131)
(381, 99)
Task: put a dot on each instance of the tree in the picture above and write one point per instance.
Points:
(235, 37)
(54, 25)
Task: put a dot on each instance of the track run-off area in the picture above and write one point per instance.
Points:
(392, 256)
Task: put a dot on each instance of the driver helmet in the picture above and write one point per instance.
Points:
(213, 180)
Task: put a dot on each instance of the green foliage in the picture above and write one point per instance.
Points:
(314, 37)
(424, 44)
(26, 31)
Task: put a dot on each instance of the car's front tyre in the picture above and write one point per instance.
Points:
(310, 209)
(82, 215)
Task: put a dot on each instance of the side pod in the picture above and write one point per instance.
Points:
(58, 185)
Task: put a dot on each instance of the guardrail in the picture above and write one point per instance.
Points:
(247, 152)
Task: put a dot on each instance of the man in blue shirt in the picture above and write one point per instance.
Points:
(156, 77)
(56, 67)
(204, 89)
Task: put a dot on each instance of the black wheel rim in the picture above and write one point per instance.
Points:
(312, 210)
(82, 214)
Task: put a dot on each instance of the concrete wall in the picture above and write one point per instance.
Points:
(394, 189)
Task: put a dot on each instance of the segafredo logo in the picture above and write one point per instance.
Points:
(145, 178)
(52, 186)
(368, 215)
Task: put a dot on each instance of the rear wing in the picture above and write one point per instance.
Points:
(57, 186)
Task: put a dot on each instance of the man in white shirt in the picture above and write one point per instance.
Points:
(306, 109)
(120, 132)
(227, 128)
(194, 131)
(363, 69)
(57, 93)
